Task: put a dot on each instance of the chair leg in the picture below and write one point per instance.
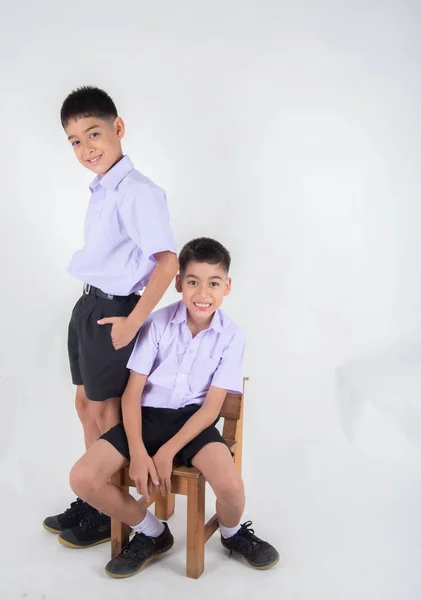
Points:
(164, 506)
(119, 530)
(195, 527)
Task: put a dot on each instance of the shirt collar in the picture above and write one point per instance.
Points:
(114, 176)
(181, 317)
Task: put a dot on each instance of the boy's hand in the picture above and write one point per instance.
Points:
(122, 330)
(163, 461)
(142, 471)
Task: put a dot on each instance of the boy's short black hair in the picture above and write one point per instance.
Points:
(204, 250)
(87, 101)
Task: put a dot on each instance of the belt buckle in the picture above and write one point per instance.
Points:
(87, 288)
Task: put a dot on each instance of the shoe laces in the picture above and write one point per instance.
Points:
(76, 507)
(246, 530)
(245, 540)
(136, 544)
(89, 521)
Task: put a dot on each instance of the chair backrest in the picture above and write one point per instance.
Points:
(232, 413)
(231, 408)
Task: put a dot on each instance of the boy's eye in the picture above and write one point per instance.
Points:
(192, 282)
(94, 134)
(214, 284)
(75, 143)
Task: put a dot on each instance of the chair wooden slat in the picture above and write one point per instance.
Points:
(231, 408)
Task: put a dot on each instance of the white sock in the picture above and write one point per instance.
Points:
(150, 526)
(228, 532)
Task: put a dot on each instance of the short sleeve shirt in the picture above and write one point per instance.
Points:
(181, 368)
(127, 222)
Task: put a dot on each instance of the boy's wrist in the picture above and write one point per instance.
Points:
(169, 449)
(135, 322)
(137, 450)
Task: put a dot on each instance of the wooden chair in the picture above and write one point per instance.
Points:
(191, 483)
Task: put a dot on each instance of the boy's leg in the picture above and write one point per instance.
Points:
(105, 414)
(215, 462)
(90, 480)
(100, 375)
(78, 509)
(86, 416)
(103, 368)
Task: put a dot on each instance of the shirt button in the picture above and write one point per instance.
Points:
(190, 351)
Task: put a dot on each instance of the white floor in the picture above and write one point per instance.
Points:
(35, 566)
(335, 546)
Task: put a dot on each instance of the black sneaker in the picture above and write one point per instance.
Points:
(259, 554)
(69, 518)
(139, 551)
(94, 528)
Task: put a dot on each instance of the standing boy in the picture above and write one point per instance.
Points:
(187, 356)
(128, 247)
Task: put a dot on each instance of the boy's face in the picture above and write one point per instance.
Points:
(96, 142)
(203, 287)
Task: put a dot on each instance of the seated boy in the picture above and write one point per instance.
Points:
(186, 358)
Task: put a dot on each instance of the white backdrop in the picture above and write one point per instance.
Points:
(290, 132)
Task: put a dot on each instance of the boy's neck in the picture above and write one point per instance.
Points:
(198, 326)
(117, 160)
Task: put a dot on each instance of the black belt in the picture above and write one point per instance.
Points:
(93, 291)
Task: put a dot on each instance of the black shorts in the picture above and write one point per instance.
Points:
(158, 426)
(94, 362)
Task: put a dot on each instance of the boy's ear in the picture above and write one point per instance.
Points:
(178, 283)
(228, 283)
(119, 127)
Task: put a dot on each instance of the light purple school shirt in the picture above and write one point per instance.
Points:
(181, 368)
(126, 223)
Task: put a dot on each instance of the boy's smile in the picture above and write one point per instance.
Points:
(203, 286)
(96, 142)
(202, 305)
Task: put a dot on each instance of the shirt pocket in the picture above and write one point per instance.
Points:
(202, 372)
(164, 374)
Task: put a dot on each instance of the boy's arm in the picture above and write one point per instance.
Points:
(203, 418)
(144, 214)
(132, 413)
(142, 469)
(164, 272)
(124, 329)
(228, 376)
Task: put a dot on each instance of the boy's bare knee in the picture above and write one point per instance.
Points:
(77, 480)
(230, 490)
(83, 481)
